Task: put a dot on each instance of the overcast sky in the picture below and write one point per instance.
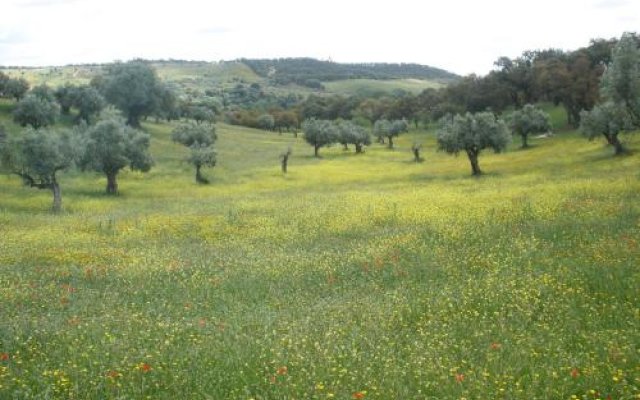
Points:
(460, 36)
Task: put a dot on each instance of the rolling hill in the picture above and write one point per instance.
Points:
(299, 76)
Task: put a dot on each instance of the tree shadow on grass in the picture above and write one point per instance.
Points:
(606, 153)
(528, 148)
(94, 193)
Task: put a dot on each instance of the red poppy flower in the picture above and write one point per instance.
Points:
(358, 395)
(144, 367)
(575, 373)
(459, 378)
(4, 356)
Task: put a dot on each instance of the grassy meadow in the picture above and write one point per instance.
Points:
(352, 277)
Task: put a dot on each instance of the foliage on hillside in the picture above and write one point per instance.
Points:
(311, 72)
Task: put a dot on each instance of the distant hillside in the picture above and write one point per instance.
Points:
(281, 79)
(311, 72)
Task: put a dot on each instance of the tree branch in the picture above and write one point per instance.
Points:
(29, 181)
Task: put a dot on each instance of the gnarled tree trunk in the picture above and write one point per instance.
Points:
(199, 178)
(615, 142)
(524, 141)
(416, 154)
(57, 196)
(390, 141)
(112, 183)
(473, 159)
(316, 148)
(358, 148)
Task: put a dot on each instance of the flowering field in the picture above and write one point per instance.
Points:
(352, 277)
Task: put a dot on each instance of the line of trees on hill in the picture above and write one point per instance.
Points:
(599, 87)
(311, 73)
(567, 78)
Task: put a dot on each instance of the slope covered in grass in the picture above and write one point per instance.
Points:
(363, 276)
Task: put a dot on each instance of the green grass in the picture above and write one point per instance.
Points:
(367, 87)
(353, 275)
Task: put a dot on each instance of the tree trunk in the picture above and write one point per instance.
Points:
(57, 196)
(345, 146)
(199, 178)
(285, 160)
(473, 159)
(358, 148)
(133, 121)
(524, 141)
(316, 148)
(112, 184)
(390, 142)
(615, 142)
(416, 155)
(567, 109)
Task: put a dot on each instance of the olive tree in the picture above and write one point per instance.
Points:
(44, 92)
(167, 105)
(266, 122)
(37, 155)
(132, 87)
(472, 133)
(621, 80)
(529, 120)
(200, 114)
(36, 111)
(14, 88)
(389, 129)
(356, 135)
(89, 103)
(380, 129)
(620, 90)
(65, 97)
(607, 119)
(199, 138)
(111, 145)
(320, 133)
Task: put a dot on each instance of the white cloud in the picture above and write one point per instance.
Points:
(458, 35)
